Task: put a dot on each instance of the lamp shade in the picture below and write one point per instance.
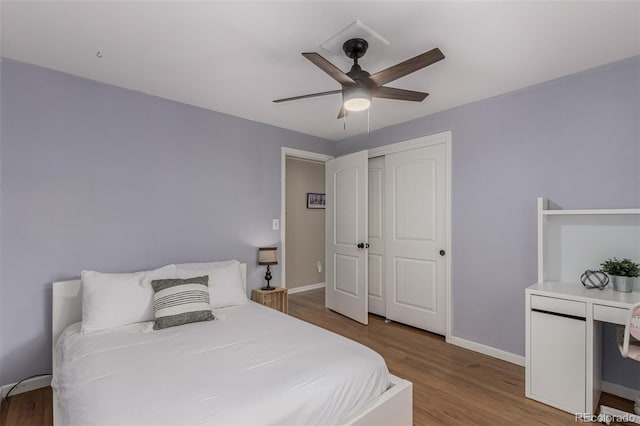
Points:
(267, 256)
(356, 98)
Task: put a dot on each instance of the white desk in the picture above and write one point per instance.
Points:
(564, 342)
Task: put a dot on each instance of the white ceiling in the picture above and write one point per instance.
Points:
(236, 57)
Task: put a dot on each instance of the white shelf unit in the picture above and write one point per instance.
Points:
(571, 241)
(563, 346)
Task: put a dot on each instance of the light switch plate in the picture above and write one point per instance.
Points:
(275, 224)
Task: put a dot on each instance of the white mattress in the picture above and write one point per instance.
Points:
(252, 366)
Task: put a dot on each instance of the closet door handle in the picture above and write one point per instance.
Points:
(363, 245)
(442, 252)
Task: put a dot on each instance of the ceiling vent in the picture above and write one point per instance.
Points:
(356, 29)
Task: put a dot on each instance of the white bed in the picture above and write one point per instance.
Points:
(251, 366)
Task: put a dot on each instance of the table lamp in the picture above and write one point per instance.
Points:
(267, 256)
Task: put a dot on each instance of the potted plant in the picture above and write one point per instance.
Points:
(622, 272)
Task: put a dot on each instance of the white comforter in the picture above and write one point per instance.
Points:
(252, 366)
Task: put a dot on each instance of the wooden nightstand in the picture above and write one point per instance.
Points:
(277, 299)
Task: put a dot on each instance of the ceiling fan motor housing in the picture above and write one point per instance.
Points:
(358, 74)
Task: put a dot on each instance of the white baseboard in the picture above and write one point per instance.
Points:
(26, 386)
(621, 391)
(306, 288)
(612, 388)
(487, 350)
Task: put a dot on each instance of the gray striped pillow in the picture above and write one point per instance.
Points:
(181, 301)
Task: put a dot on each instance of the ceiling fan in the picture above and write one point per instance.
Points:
(358, 86)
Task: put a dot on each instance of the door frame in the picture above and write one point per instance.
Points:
(295, 153)
(422, 142)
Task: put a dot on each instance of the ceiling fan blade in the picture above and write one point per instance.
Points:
(329, 68)
(399, 94)
(407, 67)
(342, 112)
(312, 95)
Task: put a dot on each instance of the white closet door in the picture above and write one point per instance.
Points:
(376, 240)
(416, 232)
(346, 227)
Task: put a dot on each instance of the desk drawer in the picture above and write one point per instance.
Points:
(610, 314)
(560, 306)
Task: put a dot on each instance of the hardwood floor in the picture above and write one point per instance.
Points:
(33, 408)
(451, 385)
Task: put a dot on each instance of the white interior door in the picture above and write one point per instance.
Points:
(346, 227)
(416, 233)
(376, 237)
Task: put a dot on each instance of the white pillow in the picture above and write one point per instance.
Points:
(205, 265)
(225, 283)
(115, 300)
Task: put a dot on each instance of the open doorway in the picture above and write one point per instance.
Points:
(303, 220)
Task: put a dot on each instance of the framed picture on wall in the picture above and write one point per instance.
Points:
(315, 201)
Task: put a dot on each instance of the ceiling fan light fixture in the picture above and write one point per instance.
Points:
(356, 98)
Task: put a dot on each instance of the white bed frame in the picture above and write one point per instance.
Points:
(394, 407)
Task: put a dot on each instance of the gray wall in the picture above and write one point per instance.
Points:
(305, 227)
(574, 140)
(98, 177)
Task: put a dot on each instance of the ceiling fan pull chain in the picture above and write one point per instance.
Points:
(368, 120)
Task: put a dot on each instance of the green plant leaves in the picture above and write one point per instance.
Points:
(621, 268)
